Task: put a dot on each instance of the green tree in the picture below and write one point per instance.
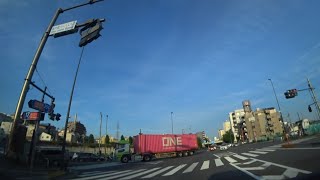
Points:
(122, 138)
(91, 139)
(228, 137)
(130, 140)
(107, 140)
(199, 141)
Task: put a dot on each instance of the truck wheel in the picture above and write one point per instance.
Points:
(179, 154)
(124, 159)
(185, 153)
(190, 153)
(146, 158)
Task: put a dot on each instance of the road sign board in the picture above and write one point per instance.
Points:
(38, 105)
(25, 115)
(33, 116)
(69, 26)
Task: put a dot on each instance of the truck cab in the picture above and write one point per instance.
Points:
(123, 153)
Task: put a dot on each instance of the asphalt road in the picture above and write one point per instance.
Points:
(267, 160)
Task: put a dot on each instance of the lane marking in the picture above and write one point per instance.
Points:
(240, 157)
(253, 168)
(312, 148)
(250, 162)
(246, 172)
(270, 150)
(157, 172)
(230, 159)
(142, 173)
(97, 173)
(190, 168)
(205, 165)
(285, 167)
(91, 172)
(174, 170)
(103, 175)
(273, 177)
(258, 152)
(248, 154)
(290, 174)
(216, 156)
(218, 162)
(125, 174)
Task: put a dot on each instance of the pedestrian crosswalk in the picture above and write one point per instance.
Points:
(164, 171)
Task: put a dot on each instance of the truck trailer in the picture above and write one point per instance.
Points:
(149, 146)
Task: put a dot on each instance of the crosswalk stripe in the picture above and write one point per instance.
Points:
(92, 172)
(142, 173)
(95, 173)
(157, 172)
(174, 170)
(230, 159)
(248, 154)
(218, 162)
(270, 150)
(103, 175)
(125, 174)
(190, 168)
(258, 152)
(240, 157)
(205, 165)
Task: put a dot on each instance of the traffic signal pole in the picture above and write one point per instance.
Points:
(314, 98)
(11, 151)
(25, 88)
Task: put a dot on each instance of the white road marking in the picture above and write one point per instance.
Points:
(285, 167)
(174, 170)
(273, 177)
(216, 156)
(218, 162)
(250, 162)
(190, 168)
(240, 157)
(97, 173)
(141, 173)
(157, 172)
(125, 174)
(248, 154)
(103, 175)
(290, 174)
(263, 149)
(246, 172)
(230, 159)
(311, 148)
(258, 152)
(205, 165)
(253, 168)
(92, 172)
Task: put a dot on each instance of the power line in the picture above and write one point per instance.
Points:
(42, 80)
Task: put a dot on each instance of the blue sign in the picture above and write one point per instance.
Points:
(40, 106)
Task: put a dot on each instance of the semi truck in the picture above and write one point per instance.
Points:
(149, 146)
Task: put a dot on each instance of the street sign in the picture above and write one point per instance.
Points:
(63, 28)
(38, 105)
(32, 116)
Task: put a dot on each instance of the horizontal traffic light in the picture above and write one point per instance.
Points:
(291, 93)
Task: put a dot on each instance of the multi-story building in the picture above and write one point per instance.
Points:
(236, 119)
(263, 123)
(221, 132)
(226, 126)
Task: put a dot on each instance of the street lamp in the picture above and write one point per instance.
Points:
(171, 123)
(275, 95)
(32, 68)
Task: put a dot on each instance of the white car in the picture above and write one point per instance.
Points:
(224, 147)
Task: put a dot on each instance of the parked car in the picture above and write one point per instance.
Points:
(52, 156)
(224, 147)
(87, 157)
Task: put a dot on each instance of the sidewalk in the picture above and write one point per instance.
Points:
(12, 170)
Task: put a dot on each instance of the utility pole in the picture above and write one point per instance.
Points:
(314, 98)
(298, 116)
(171, 123)
(105, 147)
(281, 118)
(30, 73)
(100, 133)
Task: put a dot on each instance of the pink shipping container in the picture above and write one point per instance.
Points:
(154, 144)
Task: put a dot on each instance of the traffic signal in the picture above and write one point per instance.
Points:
(291, 93)
(52, 116)
(309, 108)
(90, 32)
(58, 116)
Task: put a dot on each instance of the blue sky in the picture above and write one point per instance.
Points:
(198, 59)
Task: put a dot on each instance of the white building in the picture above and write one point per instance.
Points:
(6, 126)
(46, 137)
(235, 118)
